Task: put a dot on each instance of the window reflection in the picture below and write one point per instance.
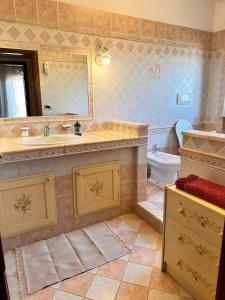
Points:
(12, 91)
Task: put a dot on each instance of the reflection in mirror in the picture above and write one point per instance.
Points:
(12, 91)
(19, 92)
(49, 82)
(64, 85)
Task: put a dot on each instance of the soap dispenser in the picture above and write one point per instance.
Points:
(77, 128)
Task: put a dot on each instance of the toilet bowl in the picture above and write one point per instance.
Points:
(164, 168)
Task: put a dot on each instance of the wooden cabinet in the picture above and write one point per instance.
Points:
(193, 231)
(96, 187)
(27, 203)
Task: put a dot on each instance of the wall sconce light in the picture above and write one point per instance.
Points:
(102, 57)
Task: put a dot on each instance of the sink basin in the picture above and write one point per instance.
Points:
(53, 139)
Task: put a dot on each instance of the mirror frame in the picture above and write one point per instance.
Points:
(67, 118)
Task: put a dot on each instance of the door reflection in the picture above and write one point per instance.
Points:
(12, 91)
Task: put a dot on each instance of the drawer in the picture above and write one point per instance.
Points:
(190, 273)
(200, 219)
(182, 240)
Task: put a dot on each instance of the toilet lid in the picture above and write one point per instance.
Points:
(181, 126)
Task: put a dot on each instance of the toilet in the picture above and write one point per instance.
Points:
(164, 166)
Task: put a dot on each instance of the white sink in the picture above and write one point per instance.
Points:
(53, 139)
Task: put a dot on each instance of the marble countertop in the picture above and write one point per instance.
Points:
(209, 135)
(11, 150)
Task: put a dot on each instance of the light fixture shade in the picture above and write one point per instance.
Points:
(103, 57)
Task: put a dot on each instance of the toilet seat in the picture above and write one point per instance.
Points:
(181, 126)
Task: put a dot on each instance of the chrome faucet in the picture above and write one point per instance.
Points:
(46, 130)
(155, 148)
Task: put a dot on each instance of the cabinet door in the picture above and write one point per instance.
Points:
(97, 187)
(27, 203)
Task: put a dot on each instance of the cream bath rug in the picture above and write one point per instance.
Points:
(47, 262)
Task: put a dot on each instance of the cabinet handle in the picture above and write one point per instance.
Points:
(78, 174)
(221, 234)
(1, 155)
(48, 179)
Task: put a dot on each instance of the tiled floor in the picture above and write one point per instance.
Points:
(136, 276)
(154, 202)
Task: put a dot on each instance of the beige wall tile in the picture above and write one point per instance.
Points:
(7, 11)
(147, 30)
(182, 34)
(133, 28)
(171, 32)
(67, 16)
(203, 38)
(160, 31)
(118, 26)
(47, 13)
(26, 11)
(63, 185)
(192, 36)
(85, 22)
(102, 23)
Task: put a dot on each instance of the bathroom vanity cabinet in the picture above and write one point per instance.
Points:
(193, 233)
(27, 203)
(96, 187)
(53, 189)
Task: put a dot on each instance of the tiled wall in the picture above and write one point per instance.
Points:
(126, 89)
(216, 94)
(67, 83)
(69, 17)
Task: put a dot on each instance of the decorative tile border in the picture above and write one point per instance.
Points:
(73, 18)
(218, 40)
(34, 154)
(204, 145)
(202, 158)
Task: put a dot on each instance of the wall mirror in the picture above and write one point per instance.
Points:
(52, 83)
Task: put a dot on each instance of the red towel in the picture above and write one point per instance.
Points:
(202, 188)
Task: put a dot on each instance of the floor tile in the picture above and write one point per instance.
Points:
(137, 274)
(162, 281)
(129, 291)
(185, 294)
(114, 269)
(45, 294)
(77, 285)
(159, 295)
(130, 225)
(60, 295)
(146, 240)
(103, 288)
(145, 228)
(143, 256)
(56, 286)
(93, 271)
(125, 257)
(129, 237)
